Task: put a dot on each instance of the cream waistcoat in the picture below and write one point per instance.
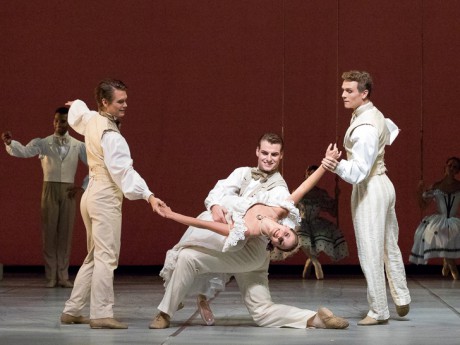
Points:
(369, 115)
(95, 129)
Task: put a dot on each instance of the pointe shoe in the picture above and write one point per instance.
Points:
(331, 321)
(318, 270)
(307, 269)
(68, 319)
(161, 321)
(65, 284)
(452, 267)
(454, 271)
(205, 310)
(370, 321)
(402, 310)
(445, 268)
(107, 322)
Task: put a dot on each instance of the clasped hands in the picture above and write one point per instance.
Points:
(158, 206)
(330, 160)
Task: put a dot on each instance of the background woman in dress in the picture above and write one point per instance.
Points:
(316, 233)
(438, 235)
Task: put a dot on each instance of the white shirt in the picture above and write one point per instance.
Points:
(56, 168)
(117, 156)
(365, 149)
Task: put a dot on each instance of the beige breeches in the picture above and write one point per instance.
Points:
(250, 268)
(101, 212)
(376, 231)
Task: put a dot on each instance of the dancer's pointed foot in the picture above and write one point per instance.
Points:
(454, 271)
(205, 310)
(445, 268)
(318, 270)
(306, 269)
(452, 267)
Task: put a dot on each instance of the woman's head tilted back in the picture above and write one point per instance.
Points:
(280, 236)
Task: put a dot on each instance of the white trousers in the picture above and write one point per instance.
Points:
(376, 231)
(101, 211)
(250, 268)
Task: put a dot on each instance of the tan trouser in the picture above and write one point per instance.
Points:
(376, 230)
(101, 212)
(58, 215)
(250, 268)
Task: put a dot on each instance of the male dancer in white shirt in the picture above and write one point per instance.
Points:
(111, 176)
(249, 263)
(59, 154)
(373, 198)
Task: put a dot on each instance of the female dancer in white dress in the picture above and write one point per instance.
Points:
(438, 235)
(257, 216)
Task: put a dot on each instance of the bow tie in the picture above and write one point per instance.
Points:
(257, 174)
(60, 140)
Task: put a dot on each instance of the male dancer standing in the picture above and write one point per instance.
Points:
(373, 198)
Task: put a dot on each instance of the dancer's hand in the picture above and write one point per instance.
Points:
(218, 214)
(7, 137)
(166, 211)
(157, 205)
(330, 161)
(333, 152)
(73, 191)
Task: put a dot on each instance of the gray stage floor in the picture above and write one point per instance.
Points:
(29, 314)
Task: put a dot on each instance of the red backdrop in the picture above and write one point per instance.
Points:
(206, 78)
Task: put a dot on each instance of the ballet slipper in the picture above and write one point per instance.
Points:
(205, 311)
(307, 269)
(370, 321)
(402, 310)
(324, 318)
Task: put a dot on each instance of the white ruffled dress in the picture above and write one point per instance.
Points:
(209, 284)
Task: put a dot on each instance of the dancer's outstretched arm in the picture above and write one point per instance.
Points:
(220, 228)
(313, 179)
(224, 229)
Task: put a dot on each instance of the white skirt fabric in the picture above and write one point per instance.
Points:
(438, 235)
